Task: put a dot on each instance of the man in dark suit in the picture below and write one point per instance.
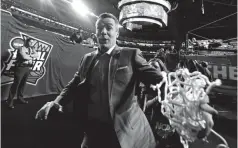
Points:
(24, 61)
(113, 117)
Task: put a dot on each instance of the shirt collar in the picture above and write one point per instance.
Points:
(110, 50)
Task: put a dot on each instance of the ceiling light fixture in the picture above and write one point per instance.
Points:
(144, 12)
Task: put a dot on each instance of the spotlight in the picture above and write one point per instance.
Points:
(80, 8)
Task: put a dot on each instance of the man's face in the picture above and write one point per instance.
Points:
(107, 32)
(31, 43)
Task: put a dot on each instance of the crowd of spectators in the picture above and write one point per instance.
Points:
(25, 12)
(48, 23)
(211, 44)
(6, 4)
(53, 24)
(131, 42)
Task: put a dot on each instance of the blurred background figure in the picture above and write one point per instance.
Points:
(77, 37)
(172, 49)
(91, 40)
(24, 61)
(160, 54)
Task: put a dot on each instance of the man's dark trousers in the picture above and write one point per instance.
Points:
(20, 77)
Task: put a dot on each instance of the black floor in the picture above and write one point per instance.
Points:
(20, 129)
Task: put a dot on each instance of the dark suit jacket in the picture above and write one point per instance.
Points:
(126, 67)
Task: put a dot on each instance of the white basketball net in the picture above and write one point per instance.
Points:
(184, 92)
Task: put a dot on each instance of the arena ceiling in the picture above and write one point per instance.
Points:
(186, 17)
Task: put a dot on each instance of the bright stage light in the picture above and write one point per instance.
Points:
(80, 8)
(92, 14)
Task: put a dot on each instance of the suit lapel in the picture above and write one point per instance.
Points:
(113, 64)
(89, 62)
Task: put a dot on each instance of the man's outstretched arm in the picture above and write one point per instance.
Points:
(146, 73)
(63, 98)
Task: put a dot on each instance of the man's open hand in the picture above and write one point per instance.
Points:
(42, 114)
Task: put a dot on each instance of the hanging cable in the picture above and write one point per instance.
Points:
(198, 35)
(202, 7)
(174, 5)
(213, 22)
(220, 3)
(230, 39)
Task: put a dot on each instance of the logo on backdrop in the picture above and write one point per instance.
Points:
(37, 70)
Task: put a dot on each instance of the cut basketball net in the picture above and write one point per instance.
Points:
(184, 92)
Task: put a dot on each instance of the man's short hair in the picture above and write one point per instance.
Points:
(107, 15)
(26, 42)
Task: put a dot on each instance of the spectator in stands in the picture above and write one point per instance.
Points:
(183, 45)
(182, 48)
(194, 40)
(106, 82)
(172, 49)
(91, 40)
(167, 51)
(161, 50)
(190, 44)
(160, 54)
(77, 37)
(94, 37)
(25, 57)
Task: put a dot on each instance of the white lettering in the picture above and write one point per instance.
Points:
(222, 72)
(39, 55)
(14, 55)
(233, 73)
(10, 64)
(37, 66)
(42, 47)
(42, 57)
